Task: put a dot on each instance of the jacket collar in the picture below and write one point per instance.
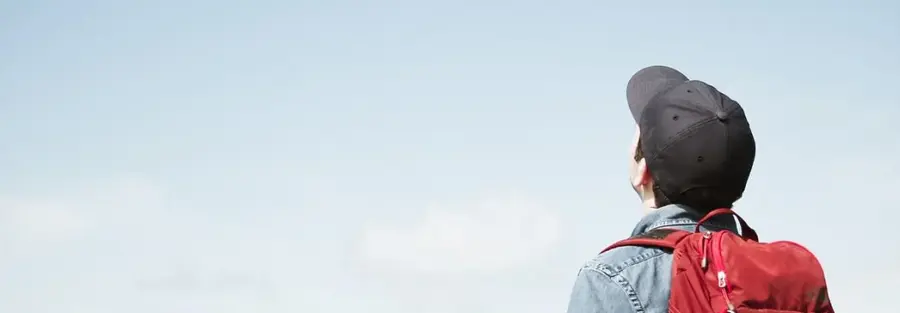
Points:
(681, 217)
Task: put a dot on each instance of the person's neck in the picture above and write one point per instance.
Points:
(649, 205)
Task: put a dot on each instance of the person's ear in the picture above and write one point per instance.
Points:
(642, 175)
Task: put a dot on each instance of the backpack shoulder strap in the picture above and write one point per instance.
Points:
(660, 237)
(746, 231)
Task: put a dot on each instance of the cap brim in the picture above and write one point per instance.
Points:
(649, 82)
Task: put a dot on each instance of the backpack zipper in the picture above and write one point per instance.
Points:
(719, 264)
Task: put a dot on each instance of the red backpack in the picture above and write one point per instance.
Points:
(716, 272)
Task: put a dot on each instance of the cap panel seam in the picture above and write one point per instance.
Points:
(682, 134)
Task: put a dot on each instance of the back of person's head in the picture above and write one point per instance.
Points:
(694, 145)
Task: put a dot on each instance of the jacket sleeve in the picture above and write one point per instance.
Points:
(595, 292)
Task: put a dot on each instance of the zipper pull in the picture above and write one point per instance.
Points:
(721, 276)
(703, 262)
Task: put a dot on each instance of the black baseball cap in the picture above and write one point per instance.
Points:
(696, 140)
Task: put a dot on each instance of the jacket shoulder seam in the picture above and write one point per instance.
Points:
(614, 268)
(629, 291)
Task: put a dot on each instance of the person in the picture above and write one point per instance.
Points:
(693, 152)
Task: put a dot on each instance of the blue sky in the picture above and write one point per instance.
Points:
(410, 156)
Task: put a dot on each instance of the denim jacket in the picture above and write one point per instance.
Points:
(636, 279)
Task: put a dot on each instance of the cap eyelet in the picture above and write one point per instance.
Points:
(675, 117)
(722, 116)
(700, 158)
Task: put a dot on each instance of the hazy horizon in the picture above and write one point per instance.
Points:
(408, 156)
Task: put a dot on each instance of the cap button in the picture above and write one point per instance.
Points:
(721, 115)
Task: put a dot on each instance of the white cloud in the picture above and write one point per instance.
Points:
(125, 245)
(32, 221)
(40, 220)
(498, 233)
